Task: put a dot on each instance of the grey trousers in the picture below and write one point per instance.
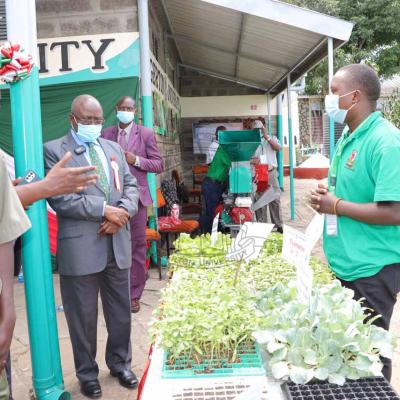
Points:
(80, 298)
(274, 207)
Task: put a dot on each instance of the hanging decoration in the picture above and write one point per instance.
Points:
(15, 63)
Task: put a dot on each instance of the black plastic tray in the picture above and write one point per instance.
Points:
(361, 389)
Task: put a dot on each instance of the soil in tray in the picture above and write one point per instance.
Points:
(361, 389)
(247, 359)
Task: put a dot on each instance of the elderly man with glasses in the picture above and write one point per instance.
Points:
(94, 246)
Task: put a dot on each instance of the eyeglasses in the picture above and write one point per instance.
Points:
(89, 121)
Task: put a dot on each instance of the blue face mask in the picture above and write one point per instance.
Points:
(88, 133)
(126, 117)
(332, 107)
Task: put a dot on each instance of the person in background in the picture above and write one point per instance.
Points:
(94, 247)
(142, 156)
(266, 154)
(213, 186)
(362, 198)
(212, 149)
(13, 223)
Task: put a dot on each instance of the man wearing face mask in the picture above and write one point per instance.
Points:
(362, 199)
(93, 253)
(142, 155)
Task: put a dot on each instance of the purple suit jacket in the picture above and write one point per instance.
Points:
(142, 143)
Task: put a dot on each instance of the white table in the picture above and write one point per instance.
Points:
(228, 388)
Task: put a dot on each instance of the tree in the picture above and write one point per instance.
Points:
(391, 108)
(375, 37)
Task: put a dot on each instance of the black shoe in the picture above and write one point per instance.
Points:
(91, 389)
(279, 229)
(126, 378)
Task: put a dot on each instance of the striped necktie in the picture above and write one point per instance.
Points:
(122, 140)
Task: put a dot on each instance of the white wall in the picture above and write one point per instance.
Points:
(241, 106)
(225, 106)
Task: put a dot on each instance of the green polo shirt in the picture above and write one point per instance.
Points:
(219, 168)
(367, 171)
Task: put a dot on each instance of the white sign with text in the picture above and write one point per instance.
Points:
(296, 250)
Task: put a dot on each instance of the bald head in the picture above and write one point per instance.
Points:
(87, 110)
(361, 77)
(84, 101)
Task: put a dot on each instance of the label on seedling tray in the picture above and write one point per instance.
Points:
(214, 230)
(296, 250)
(249, 241)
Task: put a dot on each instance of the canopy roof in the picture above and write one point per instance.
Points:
(252, 42)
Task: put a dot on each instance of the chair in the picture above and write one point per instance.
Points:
(153, 236)
(192, 207)
(199, 171)
(186, 226)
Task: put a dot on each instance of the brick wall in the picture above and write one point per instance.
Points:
(193, 84)
(57, 18)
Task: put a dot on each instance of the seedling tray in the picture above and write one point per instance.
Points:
(361, 389)
(249, 363)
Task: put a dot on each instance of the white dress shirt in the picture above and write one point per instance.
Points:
(268, 152)
(212, 149)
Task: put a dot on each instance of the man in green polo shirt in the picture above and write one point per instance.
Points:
(213, 186)
(362, 200)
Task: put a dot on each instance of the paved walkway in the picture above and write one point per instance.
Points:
(140, 339)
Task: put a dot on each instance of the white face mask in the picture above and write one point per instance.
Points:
(126, 117)
(332, 107)
(88, 133)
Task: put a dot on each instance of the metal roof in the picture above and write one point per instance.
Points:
(252, 42)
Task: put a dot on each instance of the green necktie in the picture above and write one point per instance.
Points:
(103, 181)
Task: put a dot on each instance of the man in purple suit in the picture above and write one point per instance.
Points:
(143, 156)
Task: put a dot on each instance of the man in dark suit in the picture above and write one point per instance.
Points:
(94, 253)
(143, 156)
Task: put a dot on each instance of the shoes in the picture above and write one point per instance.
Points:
(279, 229)
(91, 389)
(126, 378)
(135, 305)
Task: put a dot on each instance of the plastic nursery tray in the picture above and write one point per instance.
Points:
(249, 364)
(221, 391)
(361, 389)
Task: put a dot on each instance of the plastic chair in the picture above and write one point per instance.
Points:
(192, 207)
(186, 225)
(153, 236)
(199, 171)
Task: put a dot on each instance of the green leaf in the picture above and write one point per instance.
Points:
(337, 379)
(310, 357)
(280, 370)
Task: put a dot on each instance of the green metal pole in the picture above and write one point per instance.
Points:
(28, 154)
(147, 102)
(289, 104)
(280, 137)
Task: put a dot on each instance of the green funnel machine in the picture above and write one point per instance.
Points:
(240, 147)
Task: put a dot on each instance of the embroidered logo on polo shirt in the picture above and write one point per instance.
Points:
(352, 159)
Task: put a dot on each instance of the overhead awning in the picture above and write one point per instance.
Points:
(252, 42)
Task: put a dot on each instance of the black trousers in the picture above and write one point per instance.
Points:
(80, 300)
(380, 293)
(212, 195)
